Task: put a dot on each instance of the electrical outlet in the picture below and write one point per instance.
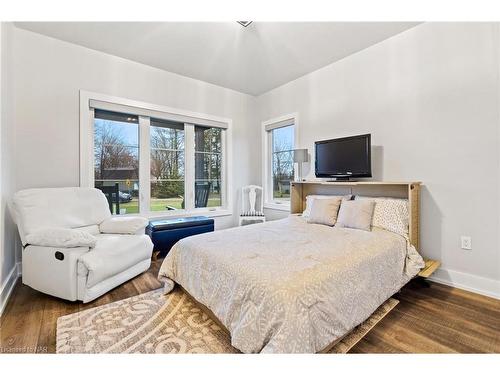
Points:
(466, 242)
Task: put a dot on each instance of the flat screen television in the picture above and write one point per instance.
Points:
(343, 158)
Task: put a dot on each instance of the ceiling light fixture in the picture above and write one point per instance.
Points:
(244, 23)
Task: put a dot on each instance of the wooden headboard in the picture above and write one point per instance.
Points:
(407, 190)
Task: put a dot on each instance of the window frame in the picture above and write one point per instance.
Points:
(145, 111)
(267, 178)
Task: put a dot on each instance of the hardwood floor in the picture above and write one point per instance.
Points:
(438, 319)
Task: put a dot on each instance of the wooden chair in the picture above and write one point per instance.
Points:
(201, 193)
(252, 205)
(112, 194)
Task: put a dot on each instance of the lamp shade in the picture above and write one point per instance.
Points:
(300, 155)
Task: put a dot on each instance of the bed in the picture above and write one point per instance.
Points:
(288, 286)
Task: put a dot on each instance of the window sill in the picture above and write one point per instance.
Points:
(277, 206)
(181, 213)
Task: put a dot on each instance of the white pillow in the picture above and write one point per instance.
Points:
(123, 225)
(391, 214)
(324, 211)
(311, 198)
(356, 215)
(61, 237)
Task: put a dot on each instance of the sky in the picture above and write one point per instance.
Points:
(283, 138)
(129, 132)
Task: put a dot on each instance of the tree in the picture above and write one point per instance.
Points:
(208, 161)
(111, 150)
(167, 159)
(282, 164)
(167, 162)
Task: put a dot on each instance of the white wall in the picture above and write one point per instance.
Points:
(48, 76)
(8, 266)
(429, 96)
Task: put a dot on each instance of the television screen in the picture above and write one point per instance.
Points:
(344, 157)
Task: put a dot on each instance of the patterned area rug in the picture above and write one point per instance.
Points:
(155, 323)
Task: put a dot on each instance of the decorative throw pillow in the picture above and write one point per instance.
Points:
(356, 214)
(311, 198)
(324, 211)
(391, 214)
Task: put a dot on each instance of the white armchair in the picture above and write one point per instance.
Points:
(72, 247)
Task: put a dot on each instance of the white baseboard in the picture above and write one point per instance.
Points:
(9, 286)
(467, 281)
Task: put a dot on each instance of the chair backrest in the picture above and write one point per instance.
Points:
(112, 194)
(71, 207)
(201, 192)
(252, 199)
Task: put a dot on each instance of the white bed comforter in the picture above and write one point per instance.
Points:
(287, 286)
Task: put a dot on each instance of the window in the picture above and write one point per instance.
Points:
(282, 162)
(153, 160)
(116, 158)
(167, 165)
(208, 166)
(279, 143)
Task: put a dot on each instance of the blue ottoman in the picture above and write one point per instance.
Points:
(165, 233)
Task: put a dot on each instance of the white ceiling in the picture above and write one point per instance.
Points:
(252, 60)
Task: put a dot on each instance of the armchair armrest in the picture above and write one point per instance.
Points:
(61, 237)
(123, 225)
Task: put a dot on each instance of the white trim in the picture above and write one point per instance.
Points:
(8, 287)
(144, 165)
(497, 64)
(86, 140)
(189, 166)
(467, 281)
(285, 120)
(187, 213)
(279, 124)
(277, 206)
(227, 165)
(135, 107)
(167, 113)
(168, 214)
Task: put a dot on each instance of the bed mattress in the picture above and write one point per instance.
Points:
(288, 286)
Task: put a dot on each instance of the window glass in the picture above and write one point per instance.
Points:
(118, 148)
(116, 159)
(208, 167)
(167, 165)
(282, 142)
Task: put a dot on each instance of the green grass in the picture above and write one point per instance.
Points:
(277, 194)
(157, 205)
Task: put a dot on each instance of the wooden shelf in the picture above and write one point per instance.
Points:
(396, 189)
(351, 183)
(430, 266)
